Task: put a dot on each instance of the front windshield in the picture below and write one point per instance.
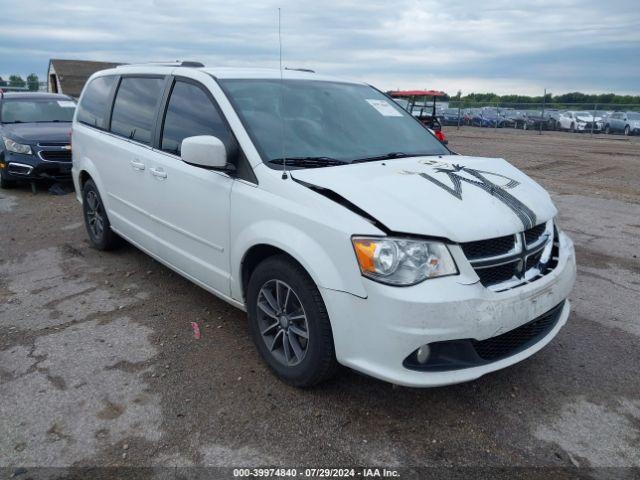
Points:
(36, 110)
(333, 120)
(583, 114)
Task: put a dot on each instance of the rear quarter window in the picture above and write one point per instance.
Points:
(93, 107)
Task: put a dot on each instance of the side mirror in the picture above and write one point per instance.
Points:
(204, 151)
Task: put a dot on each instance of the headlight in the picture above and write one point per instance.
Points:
(397, 261)
(16, 147)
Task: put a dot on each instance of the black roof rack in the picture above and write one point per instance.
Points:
(177, 63)
(192, 64)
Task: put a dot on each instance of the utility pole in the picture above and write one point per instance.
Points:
(544, 99)
(459, 106)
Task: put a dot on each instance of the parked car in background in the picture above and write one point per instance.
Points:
(627, 123)
(604, 116)
(470, 115)
(535, 120)
(449, 116)
(552, 117)
(579, 121)
(516, 118)
(35, 137)
(355, 238)
(490, 118)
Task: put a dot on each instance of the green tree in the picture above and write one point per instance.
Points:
(16, 81)
(33, 83)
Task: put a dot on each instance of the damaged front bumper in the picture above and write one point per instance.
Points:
(379, 334)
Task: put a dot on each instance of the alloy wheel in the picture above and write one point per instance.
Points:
(95, 214)
(283, 322)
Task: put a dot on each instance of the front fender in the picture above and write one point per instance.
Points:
(335, 270)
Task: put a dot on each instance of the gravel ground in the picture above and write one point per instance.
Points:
(99, 366)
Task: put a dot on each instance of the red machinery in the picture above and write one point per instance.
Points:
(422, 105)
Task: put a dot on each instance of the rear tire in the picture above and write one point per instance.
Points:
(95, 219)
(573, 128)
(627, 131)
(278, 326)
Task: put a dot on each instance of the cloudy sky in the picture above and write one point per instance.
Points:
(492, 45)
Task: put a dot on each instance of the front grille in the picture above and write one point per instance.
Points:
(518, 339)
(56, 155)
(534, 260)
(499, 274)
(498, 260)
(488, 248)
(533, 234)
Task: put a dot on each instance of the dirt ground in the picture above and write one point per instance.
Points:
(99, 366)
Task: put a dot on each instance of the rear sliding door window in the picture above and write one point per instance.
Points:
(134, 111)
(191, 112)
(93, 107)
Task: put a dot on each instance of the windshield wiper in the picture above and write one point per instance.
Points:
(392, 155)
(309, 162)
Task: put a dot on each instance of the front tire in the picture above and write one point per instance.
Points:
(627, 131)
(6, 184)
(95, 219)
(607, 129)
(289, 323)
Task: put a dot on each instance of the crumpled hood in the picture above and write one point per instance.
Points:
(455, 197)
(33, 133)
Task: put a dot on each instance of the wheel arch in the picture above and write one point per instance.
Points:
(257, 254)
(83, 176)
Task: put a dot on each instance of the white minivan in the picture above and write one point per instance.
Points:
(348, 233)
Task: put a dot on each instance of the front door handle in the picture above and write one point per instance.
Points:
(137, 165)
(158, 172)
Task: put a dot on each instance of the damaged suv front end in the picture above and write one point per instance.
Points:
(495, 279)
(435, 268)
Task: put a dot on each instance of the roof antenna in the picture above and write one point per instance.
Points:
(284, 158)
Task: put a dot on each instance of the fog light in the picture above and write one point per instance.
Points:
(422, 354)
